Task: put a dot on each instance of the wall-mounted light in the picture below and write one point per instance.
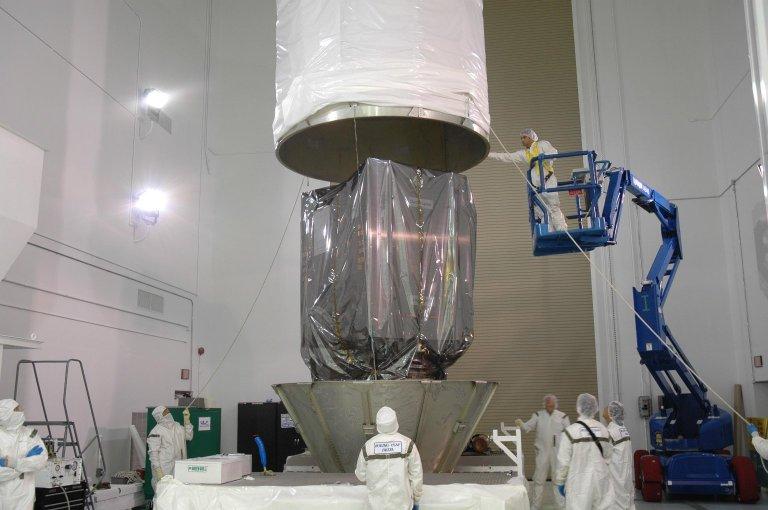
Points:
(154, 98)
(147, 206)
(152, 103)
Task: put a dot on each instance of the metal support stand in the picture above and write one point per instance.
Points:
(70, 437)
(510, 435)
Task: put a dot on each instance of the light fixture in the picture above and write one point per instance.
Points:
(152, 103)
(154, 98)
(147, 206)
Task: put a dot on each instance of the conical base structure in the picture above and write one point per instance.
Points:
(335, 418)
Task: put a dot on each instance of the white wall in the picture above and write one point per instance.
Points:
(664, 90)
(247, 202)
(71, 73)
(70, 79)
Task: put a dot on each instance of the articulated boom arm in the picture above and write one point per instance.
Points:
(649, 301)
(684, 395)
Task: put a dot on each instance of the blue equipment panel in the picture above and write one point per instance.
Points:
(699, 473)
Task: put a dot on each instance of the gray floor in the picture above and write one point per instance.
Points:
(699, 504)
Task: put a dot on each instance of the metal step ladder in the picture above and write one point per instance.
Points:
(70, 437)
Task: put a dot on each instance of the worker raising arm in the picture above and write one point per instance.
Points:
(167, 442)
(549, 423)
(532, 147)
(760, 444)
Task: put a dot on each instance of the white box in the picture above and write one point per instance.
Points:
(244, 459)
(213, 470)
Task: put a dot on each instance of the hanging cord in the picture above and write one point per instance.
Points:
(66, 497)
(357, 153)
(599, 271)
(255, 299)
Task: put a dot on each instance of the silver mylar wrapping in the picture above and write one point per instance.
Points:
(387, 274)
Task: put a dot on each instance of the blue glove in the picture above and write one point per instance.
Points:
(561, 490)
(2, 462)
(751, 429)
(37, 450)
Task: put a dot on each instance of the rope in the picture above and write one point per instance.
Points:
(616, 290)
(255, 299)
(357, 153)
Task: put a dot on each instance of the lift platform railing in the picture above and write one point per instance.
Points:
(585, 186)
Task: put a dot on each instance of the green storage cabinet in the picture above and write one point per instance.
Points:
(205, 442)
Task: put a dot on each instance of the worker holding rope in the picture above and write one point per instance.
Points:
(516, 158)
(532, 148)
(760, 443)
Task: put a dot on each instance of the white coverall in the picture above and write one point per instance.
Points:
(761, 445)
(390, 465)
(17, 478)
(167, 443)
(582, 469)
(622, 467)
(548, 429)
(523, 159)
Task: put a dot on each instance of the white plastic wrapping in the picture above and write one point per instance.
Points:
(174, 495)
(415, 53)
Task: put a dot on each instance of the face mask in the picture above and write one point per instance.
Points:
(15, 421)
(167, 420)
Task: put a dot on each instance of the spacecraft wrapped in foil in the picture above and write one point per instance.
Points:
(387, 274)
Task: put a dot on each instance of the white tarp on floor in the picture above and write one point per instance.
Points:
(174, 495)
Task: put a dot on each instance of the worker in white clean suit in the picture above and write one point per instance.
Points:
(621, 462)
(549, 424)
(533, 147)
(390, 465)
(22, 452)
(167, 442)
(583, 476)
(760, 443)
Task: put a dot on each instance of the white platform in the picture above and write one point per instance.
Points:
(276, 493)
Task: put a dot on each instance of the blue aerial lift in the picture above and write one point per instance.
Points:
(689, 436)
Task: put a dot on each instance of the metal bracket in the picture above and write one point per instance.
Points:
(159, 117)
